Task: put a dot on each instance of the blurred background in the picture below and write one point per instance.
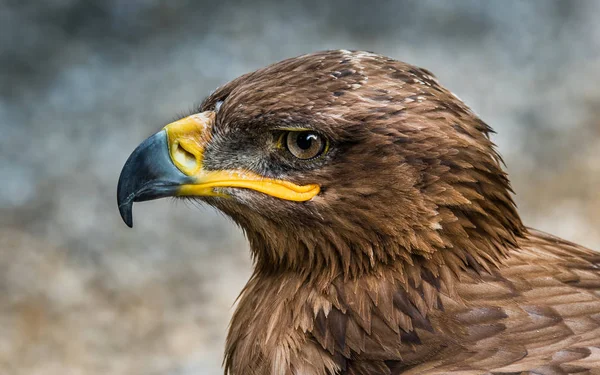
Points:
(83, 82)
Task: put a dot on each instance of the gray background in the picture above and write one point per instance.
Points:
(82, 83)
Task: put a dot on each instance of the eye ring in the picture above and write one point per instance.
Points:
(305, 144)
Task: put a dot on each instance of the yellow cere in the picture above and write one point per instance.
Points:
(187, 139)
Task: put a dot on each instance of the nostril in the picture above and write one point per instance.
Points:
(185, 159)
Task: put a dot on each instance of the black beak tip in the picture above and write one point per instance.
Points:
(147, 174)
(126, 211)
(125, 199)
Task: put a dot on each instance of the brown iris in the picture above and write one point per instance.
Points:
(305, 144)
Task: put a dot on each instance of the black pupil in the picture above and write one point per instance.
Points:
(305, 140)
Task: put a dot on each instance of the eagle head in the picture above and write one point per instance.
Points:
(337, 161)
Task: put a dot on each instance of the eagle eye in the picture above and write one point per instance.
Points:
(305, 144)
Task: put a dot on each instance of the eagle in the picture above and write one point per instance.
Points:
(383, 232)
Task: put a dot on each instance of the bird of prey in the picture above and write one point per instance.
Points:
(382, 227)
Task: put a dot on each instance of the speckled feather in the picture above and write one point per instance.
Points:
(413, 258)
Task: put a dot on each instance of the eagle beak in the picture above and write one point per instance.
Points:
(170, 163)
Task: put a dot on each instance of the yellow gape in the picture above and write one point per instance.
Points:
(186, 141)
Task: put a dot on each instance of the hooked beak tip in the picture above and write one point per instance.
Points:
(147, 174)
(126, 211)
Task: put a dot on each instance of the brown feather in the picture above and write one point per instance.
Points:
(413, 258)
